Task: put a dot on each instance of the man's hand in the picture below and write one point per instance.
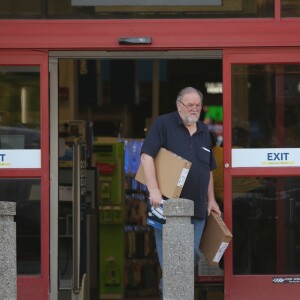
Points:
(213, 205)
(155, 197)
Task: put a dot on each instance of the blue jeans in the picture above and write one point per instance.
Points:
(198, 230)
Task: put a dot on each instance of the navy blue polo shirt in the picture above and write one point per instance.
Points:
(168, 131)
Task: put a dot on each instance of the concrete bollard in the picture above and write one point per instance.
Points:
(178, 250)
(8, 258)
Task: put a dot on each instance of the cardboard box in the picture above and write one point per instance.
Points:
(171, 173)
(215, 240)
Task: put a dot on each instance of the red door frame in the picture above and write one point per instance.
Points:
(35, 286)
(229, 35)
(243, 286)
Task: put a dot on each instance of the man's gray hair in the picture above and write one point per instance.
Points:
(188, 90)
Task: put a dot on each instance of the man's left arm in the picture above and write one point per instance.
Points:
(211, 202)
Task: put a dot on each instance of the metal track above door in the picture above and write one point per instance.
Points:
(197, 54)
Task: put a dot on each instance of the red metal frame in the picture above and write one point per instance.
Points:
(35, 287)
(248, 287)
(242, 41)
(166, 34)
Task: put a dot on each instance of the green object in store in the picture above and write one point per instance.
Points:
(108, 155)
(109, 159)
(112, 272)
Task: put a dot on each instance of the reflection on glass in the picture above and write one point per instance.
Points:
(290, 8)
(266, 222)
(26, 193)
(265, 105)
(63, 9)
(19, 108)
(121, 103)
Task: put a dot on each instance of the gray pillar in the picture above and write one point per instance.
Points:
(178, 250)
(8, 265)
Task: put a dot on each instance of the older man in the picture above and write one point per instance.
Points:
(184, 134)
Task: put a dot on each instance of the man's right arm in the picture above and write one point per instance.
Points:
(155, 195)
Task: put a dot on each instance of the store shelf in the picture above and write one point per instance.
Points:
(142, 270)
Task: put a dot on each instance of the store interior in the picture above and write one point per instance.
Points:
(109, 104)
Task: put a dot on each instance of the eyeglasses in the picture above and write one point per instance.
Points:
(191, 106)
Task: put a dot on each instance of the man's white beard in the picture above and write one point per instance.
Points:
(191, 120)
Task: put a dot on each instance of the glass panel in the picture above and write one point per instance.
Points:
(120, 103)
(19, 107)
(266, 106)
(290, 8)
(62, 9)
(266, 220)
(16, 8)
(27, 195)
